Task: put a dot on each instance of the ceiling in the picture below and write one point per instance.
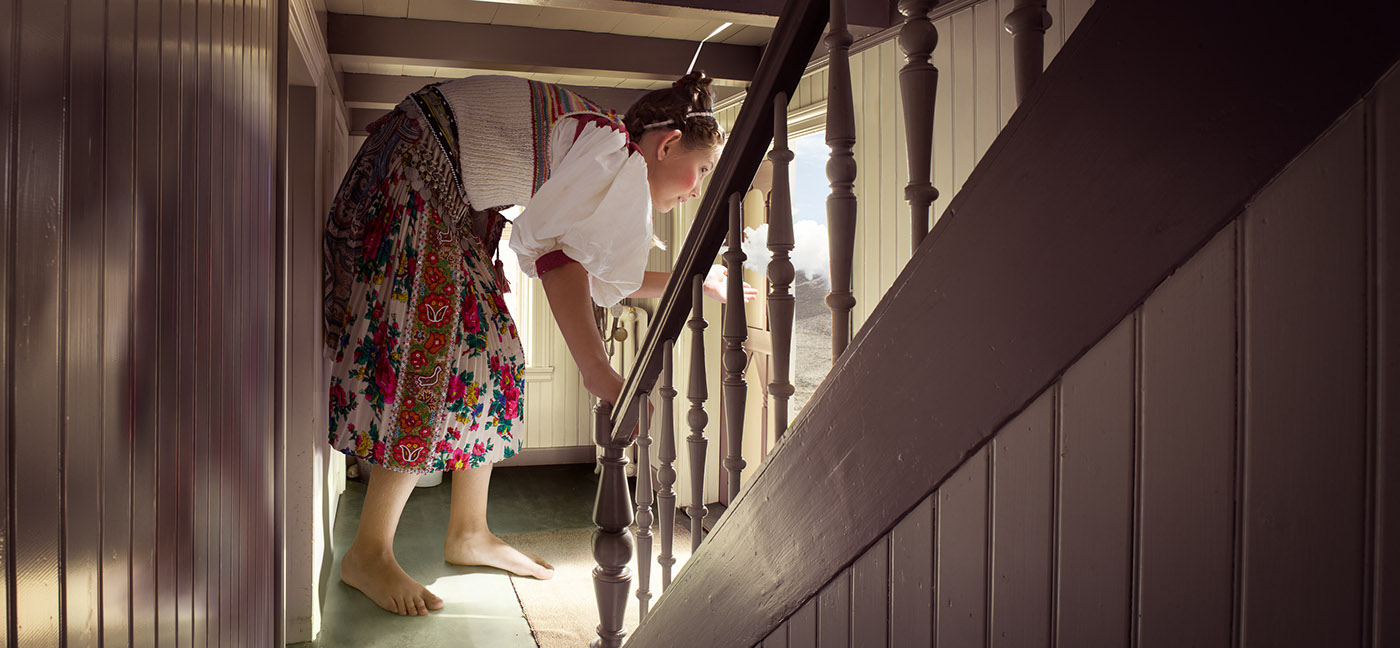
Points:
(612, 51)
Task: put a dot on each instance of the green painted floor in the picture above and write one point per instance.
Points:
(481, 607)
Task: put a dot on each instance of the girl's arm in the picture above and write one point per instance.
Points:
(566, 287)
(654, 285)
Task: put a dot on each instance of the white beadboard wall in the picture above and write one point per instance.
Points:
(975, 97)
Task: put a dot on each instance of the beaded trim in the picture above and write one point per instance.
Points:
(689, 115)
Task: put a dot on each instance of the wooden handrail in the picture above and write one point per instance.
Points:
(783, 63)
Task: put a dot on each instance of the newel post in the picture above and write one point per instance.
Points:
(918, 83)
(612, 540)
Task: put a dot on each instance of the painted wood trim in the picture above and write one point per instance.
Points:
(1079, 132)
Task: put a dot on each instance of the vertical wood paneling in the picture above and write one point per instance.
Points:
(1022, 496)
(170, 336)
(870, 596)
(1095, 494)
(961, 81)
(777, 639)
(1386, 174)
(962, 556)
(114, 277)
(942, 59)
(1006, 70)
(117, 333)
(913, 575)
(834, 616)
(205, 379)
(1055, 35)
(190, 336)
(1186, 454)
(975, 97)
(1074, 11)
(83, 363)
(986, 46)
(9, 166)
(38, 301)
(144, 324)
(1304, 264)
(802, 626)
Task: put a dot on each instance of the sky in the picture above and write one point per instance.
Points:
(810, 188)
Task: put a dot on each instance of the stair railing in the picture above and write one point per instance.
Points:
(798, 30)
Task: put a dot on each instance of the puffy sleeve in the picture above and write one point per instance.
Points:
(595, 207)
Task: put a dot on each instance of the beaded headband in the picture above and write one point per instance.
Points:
(694, 113)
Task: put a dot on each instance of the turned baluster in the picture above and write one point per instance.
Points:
(736, 331)
(841, 171)
(666, 499)
(612, 540)
(781, 302)
(644, 500)
(1027, 24)
(918, 83)
(696, 443)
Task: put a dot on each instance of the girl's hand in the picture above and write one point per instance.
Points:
(603, 382)
(717, 282)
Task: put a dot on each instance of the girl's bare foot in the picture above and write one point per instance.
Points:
(381, 579)
(488, 550)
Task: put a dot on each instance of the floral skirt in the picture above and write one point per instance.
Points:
(428, 367)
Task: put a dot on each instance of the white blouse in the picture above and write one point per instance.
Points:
(595, 207)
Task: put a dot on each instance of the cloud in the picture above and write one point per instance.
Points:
(810, 255)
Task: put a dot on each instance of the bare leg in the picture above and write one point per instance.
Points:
(469, 542)
(369, 564)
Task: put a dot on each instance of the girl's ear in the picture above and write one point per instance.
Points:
(670, 141)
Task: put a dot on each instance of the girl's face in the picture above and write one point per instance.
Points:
(674, 171)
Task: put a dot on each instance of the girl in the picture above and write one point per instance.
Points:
(427, 362)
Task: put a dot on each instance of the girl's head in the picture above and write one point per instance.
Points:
(679, 138)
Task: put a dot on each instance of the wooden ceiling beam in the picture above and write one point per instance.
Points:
(759, 13)
(383, 92)
(408, 41)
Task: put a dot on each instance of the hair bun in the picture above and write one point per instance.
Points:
(698, 84)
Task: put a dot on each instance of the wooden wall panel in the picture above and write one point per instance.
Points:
(82, 379)
(144, 344)
(913, 576)
(9, 215)
(962, 556)
(1022, 457)
(870, 596)
(37, 262)
(1305, 372)
(777, 639)
(1186, 454)
(834, 613)
(1094, 498)
(1385, 110)
(802, 626)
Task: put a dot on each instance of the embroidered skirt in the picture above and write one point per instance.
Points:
(428, 367)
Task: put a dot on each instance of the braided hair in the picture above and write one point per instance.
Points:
(685, 106)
